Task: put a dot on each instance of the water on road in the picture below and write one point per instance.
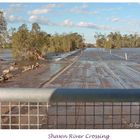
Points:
(97, 68)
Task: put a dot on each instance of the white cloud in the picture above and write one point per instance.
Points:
(92, 25)
(14, 8)
(50, 5)
(11, 13)
(16, 4)
(53, 5)
(40, 20)
(13, 19)
(86, 24)
(32, 18)
(84, 6)
(134, 22)
(83, 9)
(67, 22)
(115, 19)
(39, 11)
(110, 9)
(79, 9)
(44, 9)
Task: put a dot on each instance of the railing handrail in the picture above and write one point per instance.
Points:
(68, 95)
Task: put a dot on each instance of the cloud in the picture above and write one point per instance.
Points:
(110, 9)
(87, 24)
(44, 21)
(39, 11)
(44, 9)
(84, 6)
(67, 22)
(14, 19)
(40, 20)
(82, 9)
(81, 24)
(16, 4)
(11, 13)
(115, 19)
(53, 5)
(92, 26)
(14, 8)
(134, 22)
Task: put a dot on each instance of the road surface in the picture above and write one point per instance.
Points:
(98, 68)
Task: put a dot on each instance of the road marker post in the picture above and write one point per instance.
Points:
(126, 58)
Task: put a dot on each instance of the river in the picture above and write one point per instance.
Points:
(6, 54)
(6, 59)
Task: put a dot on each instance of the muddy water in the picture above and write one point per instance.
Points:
(55, 67)
(5, 58)
(6, 54)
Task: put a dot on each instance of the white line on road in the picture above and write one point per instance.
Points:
(61, 71)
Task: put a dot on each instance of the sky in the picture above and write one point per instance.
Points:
(84, 18)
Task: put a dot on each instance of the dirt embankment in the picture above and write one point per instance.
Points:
(27, 79)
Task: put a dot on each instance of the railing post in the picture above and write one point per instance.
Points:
(10, 115)
(28, 115)
(126, 58)
(110, 51)
(38, 116)
(19, 117)
(0, 116)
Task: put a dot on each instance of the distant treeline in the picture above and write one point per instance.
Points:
(116, 40)
(33, 44)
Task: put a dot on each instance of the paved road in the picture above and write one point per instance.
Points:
(97, 68)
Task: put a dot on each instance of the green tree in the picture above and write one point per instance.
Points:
(20, 42)
(116, 40)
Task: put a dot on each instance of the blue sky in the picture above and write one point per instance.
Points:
(84, 18)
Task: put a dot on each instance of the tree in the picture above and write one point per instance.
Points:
(35, 28)
(116, 40)
(33, 44)
(20, 42)
(3, 30)
(100, 40)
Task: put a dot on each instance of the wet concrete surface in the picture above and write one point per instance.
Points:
(97, 68)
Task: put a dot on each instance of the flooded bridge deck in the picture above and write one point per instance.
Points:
(99, 68)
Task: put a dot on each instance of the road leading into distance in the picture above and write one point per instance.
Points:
(98, 68)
